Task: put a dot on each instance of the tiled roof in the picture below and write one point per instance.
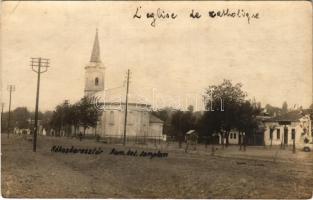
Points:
(292, 116)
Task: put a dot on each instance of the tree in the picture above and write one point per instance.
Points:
(272, 110)
(88, 113)
(82, 113)
(57, 119)
(182, 122)
(75, 117)
(246, 119)
(46, 118)
(20, 117)
(62, 117)
(190, 108)
(165, 114)
(207, 125)
(223, 101)
(176, 122)
(284, 108)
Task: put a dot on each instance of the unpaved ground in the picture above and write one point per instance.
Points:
(197, 174)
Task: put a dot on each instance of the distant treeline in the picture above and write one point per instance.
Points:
(238, 113)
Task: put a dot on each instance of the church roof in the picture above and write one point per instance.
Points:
(95, 54)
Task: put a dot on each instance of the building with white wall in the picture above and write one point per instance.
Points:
(286, 128)
(233, 137)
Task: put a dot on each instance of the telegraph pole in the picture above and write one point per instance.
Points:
(39, 65)
(2, 105)
(11, 88)
(126, 104)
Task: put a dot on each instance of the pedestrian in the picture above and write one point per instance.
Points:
(80, 136)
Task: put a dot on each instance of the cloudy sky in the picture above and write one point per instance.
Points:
(173, 61)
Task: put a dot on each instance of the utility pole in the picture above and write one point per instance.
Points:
(39, 65)
(64, 130)
(11, 88)
(126, 104)
(2, 105)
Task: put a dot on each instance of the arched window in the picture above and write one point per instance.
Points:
(96, 81)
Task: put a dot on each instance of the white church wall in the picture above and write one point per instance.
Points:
(137, 121)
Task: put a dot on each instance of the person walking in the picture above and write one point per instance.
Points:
(80, 136)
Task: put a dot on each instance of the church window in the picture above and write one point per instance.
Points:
(96, 81)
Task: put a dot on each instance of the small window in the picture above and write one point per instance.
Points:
(231, 136)
(293, 134)
(278, 134)
(235, 135)
(96, 81)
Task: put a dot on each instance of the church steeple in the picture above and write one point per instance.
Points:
(95, 54)
(94, 71)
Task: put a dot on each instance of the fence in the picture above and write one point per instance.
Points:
(119, 139)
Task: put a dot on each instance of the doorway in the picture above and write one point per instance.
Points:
(285, 135)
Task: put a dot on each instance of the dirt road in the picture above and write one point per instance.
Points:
(180, 175)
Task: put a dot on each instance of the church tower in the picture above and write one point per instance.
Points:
(94, 71)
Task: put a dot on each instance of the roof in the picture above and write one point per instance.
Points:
(293, 116)
(116, 96)
(154, 119)
(190, 132)
(95, 54)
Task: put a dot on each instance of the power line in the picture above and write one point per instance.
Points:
(39, 65)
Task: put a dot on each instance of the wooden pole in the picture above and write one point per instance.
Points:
(11, 88)
(126, 104)
(36, 108)
(39, 63)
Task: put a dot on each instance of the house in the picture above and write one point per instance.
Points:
(285, 129)
(233, 137)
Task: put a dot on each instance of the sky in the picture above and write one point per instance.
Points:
(171, 64)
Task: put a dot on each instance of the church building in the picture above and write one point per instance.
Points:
(141, 124)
